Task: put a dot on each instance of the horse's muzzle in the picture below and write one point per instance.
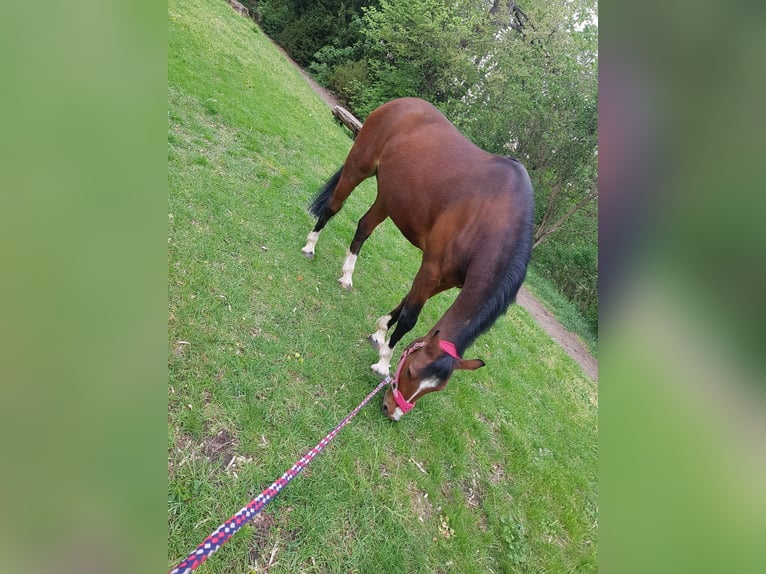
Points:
(388, 407)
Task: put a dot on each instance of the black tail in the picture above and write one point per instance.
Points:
(322, 199)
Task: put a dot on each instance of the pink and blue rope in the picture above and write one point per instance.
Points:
(225, 531)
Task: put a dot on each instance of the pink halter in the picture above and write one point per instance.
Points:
(406, 406)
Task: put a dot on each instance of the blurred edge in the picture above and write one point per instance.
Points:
(83, 293)
(682, 267)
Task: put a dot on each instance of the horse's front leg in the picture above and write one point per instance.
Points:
(378, 338)
(379, 342)
(405, 316)
(406, 320)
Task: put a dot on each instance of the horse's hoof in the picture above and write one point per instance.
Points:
(379, 370)
(308, 254)
(375, 344)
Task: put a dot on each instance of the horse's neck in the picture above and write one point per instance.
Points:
(456, 325)
(474, 310)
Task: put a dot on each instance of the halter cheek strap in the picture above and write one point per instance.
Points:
(406, 406)
(401, 402)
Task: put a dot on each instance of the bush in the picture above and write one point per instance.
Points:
(326, 59)
(347, 79)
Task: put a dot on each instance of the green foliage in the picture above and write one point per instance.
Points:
(337, 69)
(326, 59)
(304, 36)
(417, 48)
(512, 534)
(305, 28)
(348, 79)
(537, 99)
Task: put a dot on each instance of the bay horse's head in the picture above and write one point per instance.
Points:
(426, 366)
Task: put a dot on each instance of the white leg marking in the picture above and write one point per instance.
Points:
(383, 365)
(348, 271)
(378, 338)
(311, 241)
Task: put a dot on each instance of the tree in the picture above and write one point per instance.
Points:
(418, 48)
(536, 98)
(304, 27)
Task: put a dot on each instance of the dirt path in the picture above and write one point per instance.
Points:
(568, 341)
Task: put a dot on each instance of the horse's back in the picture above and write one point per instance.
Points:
(404, 114)
(406, 122)
(427, 170)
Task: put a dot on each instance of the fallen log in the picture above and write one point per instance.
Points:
(347, 119)
(239, 8)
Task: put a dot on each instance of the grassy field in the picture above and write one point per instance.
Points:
(267, 353)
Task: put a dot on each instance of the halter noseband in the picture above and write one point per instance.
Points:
(405, 405)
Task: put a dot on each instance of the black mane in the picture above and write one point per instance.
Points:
(441, 368)
(504, 287)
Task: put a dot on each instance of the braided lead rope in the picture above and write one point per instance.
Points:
(225, 531)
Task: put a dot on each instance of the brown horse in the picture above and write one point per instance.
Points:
(471, 214)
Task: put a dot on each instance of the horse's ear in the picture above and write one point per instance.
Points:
(469, 364)
(432, 342)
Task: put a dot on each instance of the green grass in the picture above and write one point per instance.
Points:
(266, 354)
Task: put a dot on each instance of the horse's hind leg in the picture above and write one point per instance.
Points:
(311, 241)
(320, 209)
(374, 217)
(331, 196)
